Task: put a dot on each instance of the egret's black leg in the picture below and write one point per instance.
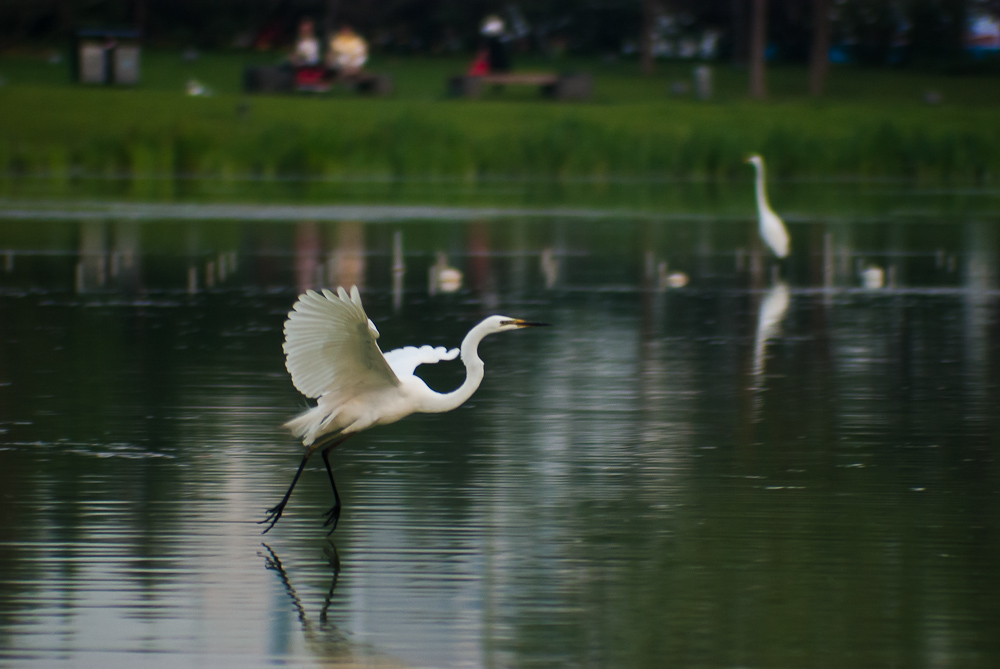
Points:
(274, 513)
(333, 515)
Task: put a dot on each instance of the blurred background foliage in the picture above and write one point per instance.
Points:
(892, 106)
(868, 32)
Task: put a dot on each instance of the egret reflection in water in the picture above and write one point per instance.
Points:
(773, 308)
(273, 563)
(322, 635)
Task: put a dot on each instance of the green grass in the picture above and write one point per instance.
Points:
(874, 124)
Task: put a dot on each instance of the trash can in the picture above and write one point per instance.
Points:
(108, 56)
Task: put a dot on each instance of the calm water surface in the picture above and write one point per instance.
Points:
(768, 467)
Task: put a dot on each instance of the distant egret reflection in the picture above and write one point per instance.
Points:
(773, 308)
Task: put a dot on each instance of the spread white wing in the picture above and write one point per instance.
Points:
(330, 347)
(404, 360)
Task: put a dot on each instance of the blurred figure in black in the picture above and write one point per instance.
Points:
(498, 53)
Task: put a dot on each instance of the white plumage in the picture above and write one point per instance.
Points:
(332, 355)
(404, 361)
(772, 229)
(330, 347)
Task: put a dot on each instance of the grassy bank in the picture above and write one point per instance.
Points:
(872, 126)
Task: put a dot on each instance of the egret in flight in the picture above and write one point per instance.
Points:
(772, 230)
(331, 353)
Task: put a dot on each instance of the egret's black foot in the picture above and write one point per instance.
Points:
(332, 516)
(273, 514)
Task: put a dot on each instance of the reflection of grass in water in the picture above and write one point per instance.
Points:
(632, 129)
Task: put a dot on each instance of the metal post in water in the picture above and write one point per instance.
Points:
(828, 270)
(398, 270)
(550, 267)
(319, 278)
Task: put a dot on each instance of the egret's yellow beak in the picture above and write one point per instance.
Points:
(526, 324)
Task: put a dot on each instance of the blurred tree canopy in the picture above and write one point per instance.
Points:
(873, 32)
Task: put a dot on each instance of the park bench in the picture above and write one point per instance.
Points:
(559, 86)
(313, 79)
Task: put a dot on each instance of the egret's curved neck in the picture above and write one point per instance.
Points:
(473, 373)
(762, 204)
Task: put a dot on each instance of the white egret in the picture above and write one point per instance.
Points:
(331, 353)
(873, 277)
(772, 229)
(667, 279)
(444, 278)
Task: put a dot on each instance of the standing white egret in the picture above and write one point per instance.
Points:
(772, 230)
(331, 353)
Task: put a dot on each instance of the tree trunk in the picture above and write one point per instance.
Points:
(329, 20)
(139, 13)
(646, 38)
(739, 14)
(66, 13)
(819, 59)
(758, 43)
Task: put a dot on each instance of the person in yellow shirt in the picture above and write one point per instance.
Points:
(348, 52)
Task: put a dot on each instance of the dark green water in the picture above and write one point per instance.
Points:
(737, 472)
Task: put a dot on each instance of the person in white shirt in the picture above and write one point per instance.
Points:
(307, 47)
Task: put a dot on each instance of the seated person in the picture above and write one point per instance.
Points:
(497, 53)
(480, 65)
(306, 52)
(348, 52)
